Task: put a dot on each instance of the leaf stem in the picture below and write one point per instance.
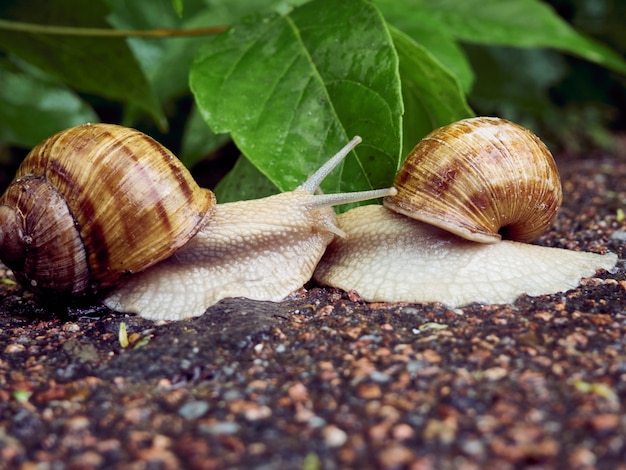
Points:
(101, 32)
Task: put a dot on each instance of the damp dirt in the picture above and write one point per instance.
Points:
(325, 380)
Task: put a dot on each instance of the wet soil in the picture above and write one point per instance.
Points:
(325, 380)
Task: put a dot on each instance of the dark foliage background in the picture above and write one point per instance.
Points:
(575, 104)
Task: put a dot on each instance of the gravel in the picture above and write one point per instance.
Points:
(325, 380)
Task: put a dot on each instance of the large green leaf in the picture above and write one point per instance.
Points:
(105, 67)
(520, 23)
(198, 139)
(434, 38)
(243, 182)
(32, 108)
(293, 89)
(432, 95)
(177, 5)
(166, 61)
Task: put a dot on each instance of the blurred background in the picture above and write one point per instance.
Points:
(577, 107)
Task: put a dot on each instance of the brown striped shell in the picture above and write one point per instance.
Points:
(92, 204)
(482, 179)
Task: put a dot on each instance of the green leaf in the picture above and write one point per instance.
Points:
(233, 10)
(293, 89)
(165, 62)
(199, 140)
(32, 108)
(520, 23)
(437, 41)
(244, 182)
(21, 395)
(102, 66)
(432, 95)
(177, 5)
(122, 335)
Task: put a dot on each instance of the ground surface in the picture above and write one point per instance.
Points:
(327, 381)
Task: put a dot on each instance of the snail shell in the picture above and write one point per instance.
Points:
(92, 204)
(483, 179)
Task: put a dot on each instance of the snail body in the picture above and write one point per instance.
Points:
(461, 189)
(103, 211)
(237, 255)
(389, 257)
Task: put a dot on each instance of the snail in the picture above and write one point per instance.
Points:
(89, 205)
(106, 212)
(461, 190)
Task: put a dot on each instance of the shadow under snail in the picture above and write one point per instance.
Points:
(105, 211)
(460, 190)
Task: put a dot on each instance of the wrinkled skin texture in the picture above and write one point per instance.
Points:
(389, 257)
(234, 255)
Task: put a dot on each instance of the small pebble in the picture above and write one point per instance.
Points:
(193, 409)
(333, 436)
(222, 427)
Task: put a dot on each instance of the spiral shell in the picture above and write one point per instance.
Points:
(482, 179)
(92, 204)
